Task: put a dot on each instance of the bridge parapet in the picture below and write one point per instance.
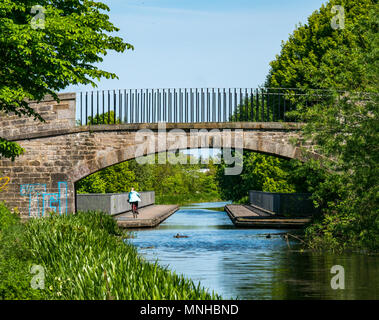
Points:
(58, 116)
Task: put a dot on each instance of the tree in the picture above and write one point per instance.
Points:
(37, 59)
(318, 56)
(344, 127)
(114, 179)
(267, 173)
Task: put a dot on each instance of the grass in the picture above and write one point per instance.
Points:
(85, 256)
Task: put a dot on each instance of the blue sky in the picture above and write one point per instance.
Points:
(200, 43)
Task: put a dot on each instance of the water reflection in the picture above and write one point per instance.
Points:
(244, 263)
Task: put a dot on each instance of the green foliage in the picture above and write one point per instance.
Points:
(172, 183)
(270, 174)
(85, 257)
(10, 149)
(115, 179)
(344, 128)
(15, 259)
(317, 56)
(37, 62)
(104, 118)
(7, 218)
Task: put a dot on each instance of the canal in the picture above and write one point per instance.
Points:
(246, 264)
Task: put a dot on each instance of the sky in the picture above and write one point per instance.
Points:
(198, 43)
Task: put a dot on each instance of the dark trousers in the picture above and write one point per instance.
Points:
(134, 207)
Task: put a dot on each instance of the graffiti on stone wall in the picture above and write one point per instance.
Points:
(42, 202)
(4, 182)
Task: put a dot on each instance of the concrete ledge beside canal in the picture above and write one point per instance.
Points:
(112, 203)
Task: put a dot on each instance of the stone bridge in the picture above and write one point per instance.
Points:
(58, 152)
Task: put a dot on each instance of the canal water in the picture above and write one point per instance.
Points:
(246, 264)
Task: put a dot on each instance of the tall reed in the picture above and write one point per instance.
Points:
(85, 256)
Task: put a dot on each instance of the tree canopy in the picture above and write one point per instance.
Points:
(41, 57)
(319, 56)
(344, 127)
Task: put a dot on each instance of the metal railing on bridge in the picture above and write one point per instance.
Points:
(191, 105)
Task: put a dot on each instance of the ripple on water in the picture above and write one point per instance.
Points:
(244, 263)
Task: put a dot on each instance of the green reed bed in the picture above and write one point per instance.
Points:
(85, 256)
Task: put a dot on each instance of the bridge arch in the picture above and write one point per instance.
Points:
(58, 153)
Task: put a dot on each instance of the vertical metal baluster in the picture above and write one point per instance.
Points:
(180, 106)
(208, 105)
(184, 106)
(279, 106)
(148, 106)
(109, 106)
(114, 106)
(85, 113)
(175, 106)
(132, 106)
(213, 104)
(230, 104)
(251, 104)
(120, 106)
(154, 99)
(198, 105)
(224, 114)
(257, 105)
(192, 106)
(143, 103)
(268, 105)
(125, 106)
(202, 105)
(284, 107)
(246, 101)
(169, 113)
(91, 108)
(263, 105)
(103, 106)
(273, 106)
(242, 106)
(138, 104)
(236, 112)
(81, 108)
(218, 105)
(97, 107)
(223, 105)
(164, 105)
(158, 106)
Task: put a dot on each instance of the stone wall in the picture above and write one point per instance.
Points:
(58, 116)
